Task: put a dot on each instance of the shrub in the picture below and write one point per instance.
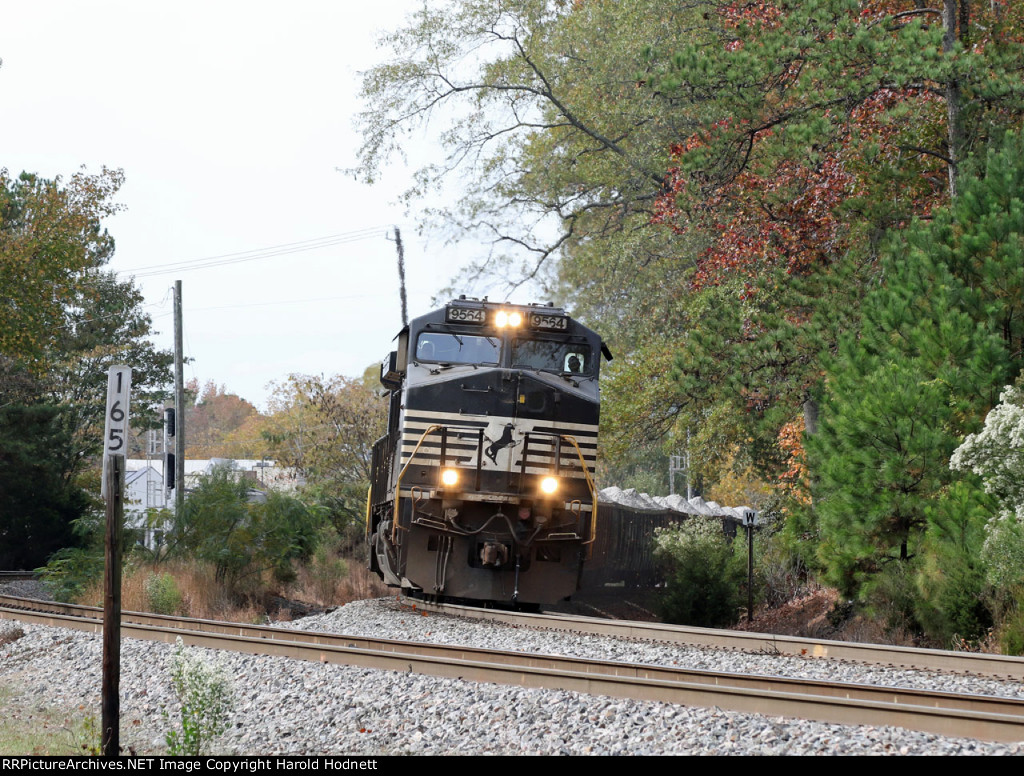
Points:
(71, 571)
(704, 574)
(207, 700)
(162, 594)
(1010, 632)
(890, 598)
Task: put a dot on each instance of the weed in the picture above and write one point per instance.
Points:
(207, 700)
(162, 594)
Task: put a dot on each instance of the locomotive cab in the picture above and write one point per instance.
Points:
(483, 484)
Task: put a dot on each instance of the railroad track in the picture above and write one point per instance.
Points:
(11, 576)
(1002, 667)
(982, 717)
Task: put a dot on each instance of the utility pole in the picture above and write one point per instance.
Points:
(179, 404)
(675, 464)
(401, 277)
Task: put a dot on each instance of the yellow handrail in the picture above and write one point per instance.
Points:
(398, 482)
(590, 486)
(369, 493)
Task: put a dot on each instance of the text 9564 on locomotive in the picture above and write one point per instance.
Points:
(483, 485)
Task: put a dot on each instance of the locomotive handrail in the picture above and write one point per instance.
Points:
(369, 495)
(593, 494)
(398, 482)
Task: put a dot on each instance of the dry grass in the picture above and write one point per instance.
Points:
(321, 584)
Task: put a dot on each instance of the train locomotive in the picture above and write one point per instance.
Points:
(482, 488)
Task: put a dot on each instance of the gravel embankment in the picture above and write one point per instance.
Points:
(293, 707)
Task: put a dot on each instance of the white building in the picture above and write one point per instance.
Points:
(145, 491)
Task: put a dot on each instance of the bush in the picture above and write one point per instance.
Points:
(326, 570)
(1010, 631)
(704, 574)
(162, 594)
(71, 571)
(207, 700)
(242, 534)
(779, 573)
(890, 598)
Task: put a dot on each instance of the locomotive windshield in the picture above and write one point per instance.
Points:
(457, 348)
(552, 356)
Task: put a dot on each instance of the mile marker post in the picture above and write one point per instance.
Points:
(115, 435)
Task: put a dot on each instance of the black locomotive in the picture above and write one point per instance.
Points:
(483, 484)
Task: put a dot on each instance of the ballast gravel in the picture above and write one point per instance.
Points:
(291, 707)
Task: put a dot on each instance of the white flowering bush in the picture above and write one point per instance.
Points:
(996, 455)
(207, 700)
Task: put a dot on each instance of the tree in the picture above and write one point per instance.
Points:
(937, 342)
(812, 143)
(553, 130)
(212, 419)
(241, 533)
(63, 321)
(105, 325)
(38, 505)
(704, 574)
(50, 240)
(326, 428)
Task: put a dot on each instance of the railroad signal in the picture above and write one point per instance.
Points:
(169, 460)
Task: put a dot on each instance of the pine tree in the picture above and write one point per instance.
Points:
(937, 342)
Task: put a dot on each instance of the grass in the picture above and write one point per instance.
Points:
(44, 731)
(325, 584)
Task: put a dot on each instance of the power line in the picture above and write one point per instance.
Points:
(256, 254)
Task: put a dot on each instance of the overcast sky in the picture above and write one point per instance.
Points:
(229, 120)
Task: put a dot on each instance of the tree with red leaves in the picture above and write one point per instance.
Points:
(821, 125)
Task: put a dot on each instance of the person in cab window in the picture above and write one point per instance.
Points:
(574, 363)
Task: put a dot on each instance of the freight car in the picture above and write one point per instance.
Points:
(482, 488)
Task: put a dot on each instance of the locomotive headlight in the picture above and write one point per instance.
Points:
(449, 477)
(503, 319)
(549, 485)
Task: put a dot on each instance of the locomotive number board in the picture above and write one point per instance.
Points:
(544, 321)
(464, 315)
(478, 315)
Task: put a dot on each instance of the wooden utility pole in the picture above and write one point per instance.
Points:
(179, 405)
(401, 277)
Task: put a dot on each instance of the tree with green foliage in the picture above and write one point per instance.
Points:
(51, 240)
(64, 320)
(821, 125)
(38, 503)
(242, 532)
(105, 324)
(937, 342)
(954, 603)
(325, 429)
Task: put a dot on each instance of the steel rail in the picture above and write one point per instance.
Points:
(1005, 667)
(982, 717)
